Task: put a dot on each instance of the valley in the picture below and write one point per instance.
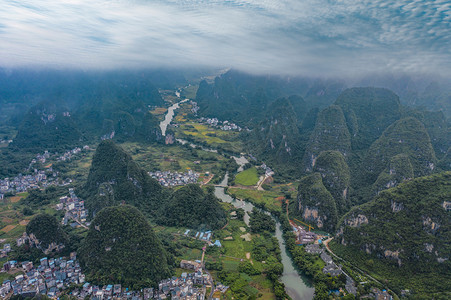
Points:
(201, 174)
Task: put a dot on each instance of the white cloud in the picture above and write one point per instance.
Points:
(311, 36)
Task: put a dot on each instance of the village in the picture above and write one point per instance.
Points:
(53, 277)
(168, 178)
(76, 213)
(312, 241)
(223, 125)
(38, 178)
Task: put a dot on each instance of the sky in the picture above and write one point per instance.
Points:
(316, 37)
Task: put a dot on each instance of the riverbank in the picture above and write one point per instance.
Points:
(295, 286)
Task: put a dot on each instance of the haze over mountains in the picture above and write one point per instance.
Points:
(342, 107)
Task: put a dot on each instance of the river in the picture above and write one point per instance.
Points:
(297, 287)
(168, 118)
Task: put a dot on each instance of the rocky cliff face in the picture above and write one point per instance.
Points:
(399, 170)
(409, 225)
(315, 204)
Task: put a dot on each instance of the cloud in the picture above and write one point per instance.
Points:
(316, 37)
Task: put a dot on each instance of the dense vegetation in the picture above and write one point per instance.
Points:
(403, 234)
(276, 138)
(336, 177)
(47, 230)
(315, 203)
(407, 136)
(47, 126)
(115, 178)
(191, 207)
(330, 133)
(122, 247)
(244, 99)
(260, 222)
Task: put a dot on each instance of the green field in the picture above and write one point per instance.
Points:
(172, 158)
(247, 177)
(268, 198)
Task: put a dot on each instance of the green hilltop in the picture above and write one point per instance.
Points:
(114, 178)
(368, 112)
(276, 140)
(406, 136)
(336, 177)
(330, 133)
(315, 204)
(191, 207)
(47, 230)
(122, 247)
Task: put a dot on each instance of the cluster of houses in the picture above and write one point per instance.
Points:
(331, 268)
(223, 125)
(268, 171)
(76, 213)
(49, 278)
(184, 287)
(5, 250)
(38, 178)
(168, 178)
(42, 158)
(22, 183)
(203, 236)
(31, 240)
(68, 154)
(194, 107)
(303, 236)
(53, 276)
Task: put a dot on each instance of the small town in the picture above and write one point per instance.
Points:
(168, 178)
(52, 277)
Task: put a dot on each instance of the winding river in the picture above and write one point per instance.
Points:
(297, 287)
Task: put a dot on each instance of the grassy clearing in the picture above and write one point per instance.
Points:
(247, 177)
(172, 158)
(159, 111)
(189, 92)
(268, 198)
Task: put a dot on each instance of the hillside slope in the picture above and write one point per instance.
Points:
(122, 247)
(403, 234)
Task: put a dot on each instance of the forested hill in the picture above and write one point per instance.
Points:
(191, 207)
(408, 228)
(122, 247)
(47, 126)
(114, 178)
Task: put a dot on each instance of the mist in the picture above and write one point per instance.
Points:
(291, 37)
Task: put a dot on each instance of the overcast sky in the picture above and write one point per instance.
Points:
(316, 37)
